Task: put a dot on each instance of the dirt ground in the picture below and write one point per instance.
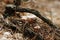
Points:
(47, 8)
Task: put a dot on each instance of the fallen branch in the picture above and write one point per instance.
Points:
(49, 22)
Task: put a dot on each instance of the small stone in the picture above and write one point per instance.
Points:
(37, 27)
(7, 34)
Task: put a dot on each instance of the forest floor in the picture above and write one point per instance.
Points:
(47, 8)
